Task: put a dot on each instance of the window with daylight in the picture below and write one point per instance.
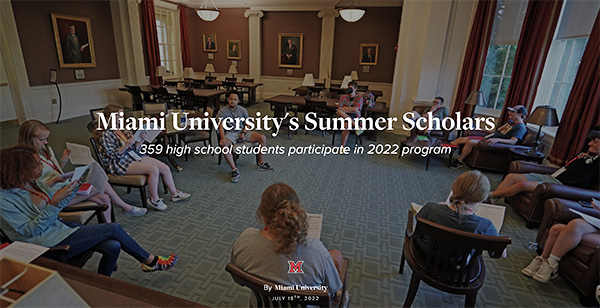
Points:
(167, 39)
(501, 52)
(564, 56)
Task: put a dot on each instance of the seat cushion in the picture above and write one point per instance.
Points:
(131, 180)
(77, 217)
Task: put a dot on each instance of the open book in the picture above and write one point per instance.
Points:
(590, 219)
(493, 212)
(151, 133)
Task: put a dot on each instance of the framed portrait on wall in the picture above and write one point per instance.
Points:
(368, 54)
(290, 50)
(234, 49)
(210, 42)
(74, 43)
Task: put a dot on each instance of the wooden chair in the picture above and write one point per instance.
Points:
(188, 99)
(231, 79)
(268, 298)
(154, 108)
(364, 88)
(171, 84)
(138, 181)
(136, 96)
(314, 91)
(248, 80)
(453, 262)
(320, 85)
(328, 94)
(198, 84)
(319, 107)
(161, 95)
(210, 78)
(246, 90)
(301, 91)
(196, 135)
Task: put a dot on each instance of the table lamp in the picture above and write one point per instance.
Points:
(161, 72)
(209, 69)
(188, 75)
(542, 116)
(232, 70)
(354, 75)
(309, 80)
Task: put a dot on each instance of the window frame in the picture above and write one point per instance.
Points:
(173, 39)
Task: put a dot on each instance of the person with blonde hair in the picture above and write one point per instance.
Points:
(36, 134)
(121, 154)
(469, 189)
(267, 253)
(26, 220)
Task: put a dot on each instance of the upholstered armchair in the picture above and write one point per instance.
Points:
(496, 157)
(531, 205)
(439, 134)
(580, 266)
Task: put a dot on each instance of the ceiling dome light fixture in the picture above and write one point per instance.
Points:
(208, 14)
(352, 14)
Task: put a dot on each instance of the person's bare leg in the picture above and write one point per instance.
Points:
(262, 140)
(510, 180)
(571, 236)
(468, 148)
(116, 200)
(552, 236)
(229, 157)
(345, 131)
(515, 189)
(460, 141)
(165, 173)
(153, 176)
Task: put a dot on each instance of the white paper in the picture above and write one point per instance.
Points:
(590, 219)
(21, 251)
(151, 133)
(80, 154)
(78, 172)
(315, 222)
(97, 177)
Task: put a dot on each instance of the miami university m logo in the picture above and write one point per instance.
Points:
(295, 267)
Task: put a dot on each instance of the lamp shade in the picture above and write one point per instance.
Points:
(346, 81)
(232, 69)
(354, 75)
(209, 68)
(544, 116)
(476, 98)
(188, 73)
(208, 15)
(352, 14)
(161, 71)
(309, 80)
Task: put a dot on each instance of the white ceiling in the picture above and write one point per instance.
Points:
(292, 4)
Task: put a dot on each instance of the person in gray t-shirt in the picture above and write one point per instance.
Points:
(235, 135)
(281, 252)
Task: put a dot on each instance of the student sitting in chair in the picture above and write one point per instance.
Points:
(25, 218)
(120, 152)
(36, 133)
(349, 107)
(233, 136)
(266, 253)
(468, 190)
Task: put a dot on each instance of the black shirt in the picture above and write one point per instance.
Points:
(581, 174)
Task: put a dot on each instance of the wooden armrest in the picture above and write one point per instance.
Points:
(85, 207)
(338, 300)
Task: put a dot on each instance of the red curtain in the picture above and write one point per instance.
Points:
(583, 106)
(150, 39)
(476, 52)
(534, 42)
(186, 58)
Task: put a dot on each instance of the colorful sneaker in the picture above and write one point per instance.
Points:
(137, 211)
(265, 166)
(235, 176)
(533, 267)
(180, 196)
(158, 205)
(546, 272)
(162, 264)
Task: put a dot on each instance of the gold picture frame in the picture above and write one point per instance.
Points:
(74, 42)
(209, 42)
(367, 55)
(290, 50)
(234, 49)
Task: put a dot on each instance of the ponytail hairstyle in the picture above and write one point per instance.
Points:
(280, 211)
(107, 111)
(28, 130)
(468, 190)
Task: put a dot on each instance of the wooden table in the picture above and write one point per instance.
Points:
(101, 291)
(210, 96)
(376, 93)
(332, 103)
(250, 86)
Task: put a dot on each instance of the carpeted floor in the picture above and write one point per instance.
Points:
(364, 200)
